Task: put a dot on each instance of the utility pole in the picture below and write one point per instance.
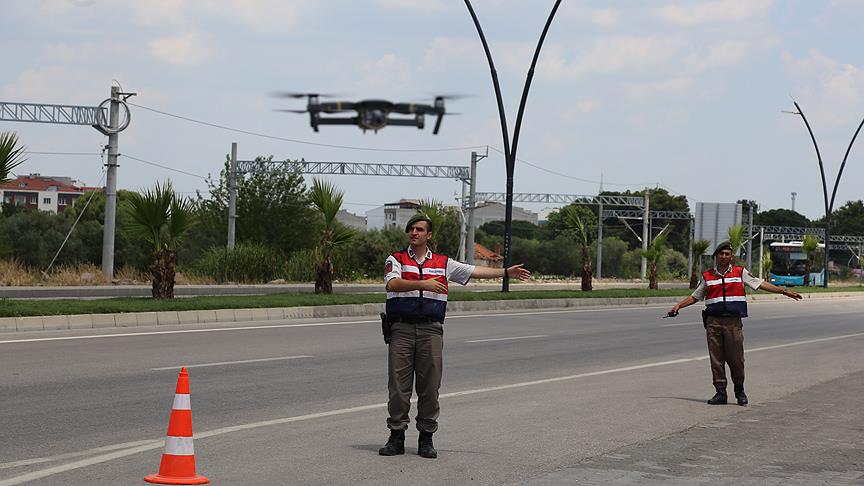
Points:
(643, 267)
(472, 205)
(111, 185)
(599, 272)
(749, 234)
(463, 224)
(761, 249)
(232, 197)
(793, 200)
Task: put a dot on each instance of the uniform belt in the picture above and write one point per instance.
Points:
(412, 320)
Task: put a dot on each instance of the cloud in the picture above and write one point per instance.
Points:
(614, 55)
(833, 89)
(719, 11)
(641, 91)
(183, 50)
(55, 84)
(420, 5)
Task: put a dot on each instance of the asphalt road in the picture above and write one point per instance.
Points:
(525, 395)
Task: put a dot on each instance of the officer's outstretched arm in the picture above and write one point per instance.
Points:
(769, 287)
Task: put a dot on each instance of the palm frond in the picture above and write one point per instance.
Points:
(11, 155)
(737, 237)
(809, 244)
(182, 218)
(434, 210)
(570, 216)
(700, 246)
(327, 198)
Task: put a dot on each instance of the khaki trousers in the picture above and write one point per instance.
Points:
(415, 349)
(726, 346)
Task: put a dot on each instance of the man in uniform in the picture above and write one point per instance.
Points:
(722, 287)
(416, 281)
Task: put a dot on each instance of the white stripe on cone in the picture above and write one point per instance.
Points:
(182, 402)
(179, 446)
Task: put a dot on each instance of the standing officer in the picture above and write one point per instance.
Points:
(722, 287)
(416, 281)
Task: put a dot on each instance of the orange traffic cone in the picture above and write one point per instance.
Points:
(178, 457)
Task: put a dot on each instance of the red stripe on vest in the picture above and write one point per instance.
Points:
(733, 289)
(437, 261)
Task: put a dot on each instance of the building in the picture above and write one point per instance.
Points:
(486, 212)
(351, 220)
(391, 215)
(487, 258)
(45, 193)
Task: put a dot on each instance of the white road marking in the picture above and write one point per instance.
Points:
(31, 476)
(507, 338)
(221, 363)
(681, 324)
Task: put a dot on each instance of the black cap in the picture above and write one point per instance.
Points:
(723, 245)
(417, 217)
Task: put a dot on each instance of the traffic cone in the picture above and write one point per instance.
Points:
(178, 457)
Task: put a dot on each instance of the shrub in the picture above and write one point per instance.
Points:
(246, 263)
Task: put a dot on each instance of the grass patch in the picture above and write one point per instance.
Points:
(20, 308)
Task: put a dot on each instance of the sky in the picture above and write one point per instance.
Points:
(685, 95)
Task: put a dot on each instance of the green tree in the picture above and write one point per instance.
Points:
(11, 155)
(766, 264)
(737, 238)
(848, 219)
(809, 246)
(273, 208)
(660, 200)
(557, 226)
(161, 218)
(699, 248)
(328, 200)
(571, 219)
(652, 255)
(519, 228)
(781, 217)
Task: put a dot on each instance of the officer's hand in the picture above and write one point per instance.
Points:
(516, 271)
(673, 312)
(792, 294)
(433, 285)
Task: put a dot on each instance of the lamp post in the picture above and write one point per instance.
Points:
(829, 204)
(510, 151)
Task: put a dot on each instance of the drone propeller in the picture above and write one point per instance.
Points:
(453, 96)
(292, 111)
(292, 94)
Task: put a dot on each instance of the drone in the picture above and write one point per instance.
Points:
(371, 114)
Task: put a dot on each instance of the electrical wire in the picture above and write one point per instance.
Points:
(294, 140)
(92, 195)
(62, 153)
(162, 166)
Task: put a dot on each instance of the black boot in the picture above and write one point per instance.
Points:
(740, 395)
(719, 398)
(425, 447)
(395, 444)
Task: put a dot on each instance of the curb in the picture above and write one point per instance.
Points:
(175, 318)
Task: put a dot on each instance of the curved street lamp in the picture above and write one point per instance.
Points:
(510, 151)
(829, 204)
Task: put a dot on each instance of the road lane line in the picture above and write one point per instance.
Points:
(507, 338)
(681, 324)
(32, 476)
(70, 455)
(221, 363)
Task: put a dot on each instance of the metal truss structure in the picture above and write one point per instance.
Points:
(359, 168)
(784, 233)
(58, 114)
(532, 197)
(639, 214)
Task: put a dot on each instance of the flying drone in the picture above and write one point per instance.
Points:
(371, 114)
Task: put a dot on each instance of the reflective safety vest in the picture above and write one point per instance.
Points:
(725, 293)
(419, 304)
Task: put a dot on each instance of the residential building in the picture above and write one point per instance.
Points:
(351, 220)
(46, 193)
(394, 214)
(493, 211)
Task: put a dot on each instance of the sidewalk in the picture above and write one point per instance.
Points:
(810, 437)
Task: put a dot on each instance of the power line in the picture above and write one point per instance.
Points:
(61, 153)
(162, 166)
(560, 174)
(294, 140)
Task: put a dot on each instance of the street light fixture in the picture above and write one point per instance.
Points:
(510, 151)
(829, 204)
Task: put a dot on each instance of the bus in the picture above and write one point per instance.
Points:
(789, 264)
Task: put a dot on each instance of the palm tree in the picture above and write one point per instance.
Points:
(766, 265)
(160, 217)
(699, 247)
(652, 255)
(737, 238)
(11, 155)
(434, 210)
(328, 200)
(809, 246)
(571, 219)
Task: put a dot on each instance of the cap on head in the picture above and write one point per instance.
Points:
(414, 219)
(723, 245)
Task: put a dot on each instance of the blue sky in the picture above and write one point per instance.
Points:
(686, 94)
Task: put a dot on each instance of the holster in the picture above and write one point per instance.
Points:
(386, 327)
(705, 318)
